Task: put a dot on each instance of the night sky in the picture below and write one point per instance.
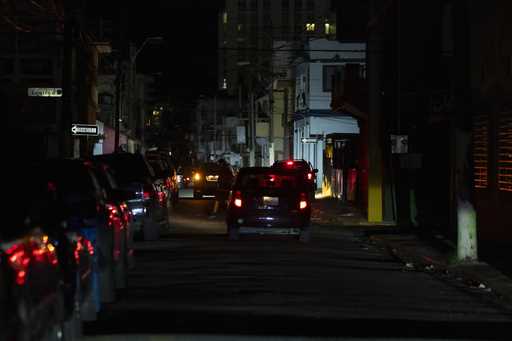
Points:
(188, 59)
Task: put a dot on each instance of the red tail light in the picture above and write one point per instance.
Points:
(125, 213)
(149, 191)
(237, 199)
(310, 176)
(83, 244)
(19, 260)
(113, 214)
(303, 203)
(161, 197)
(289, 163)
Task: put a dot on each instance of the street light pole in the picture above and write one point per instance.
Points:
(132, 81)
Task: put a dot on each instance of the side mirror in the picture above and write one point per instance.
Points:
(315, 170)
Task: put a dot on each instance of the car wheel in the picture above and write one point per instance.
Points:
(233, 232)
(121, 264)
(107, 279)
(151, 229)
(71, 327)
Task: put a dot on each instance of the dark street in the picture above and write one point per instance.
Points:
(194, 280)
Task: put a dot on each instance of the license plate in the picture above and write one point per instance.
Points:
(270, 201)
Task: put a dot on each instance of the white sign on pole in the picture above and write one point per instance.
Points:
(309, 140)
(85, 129)
(45, 92)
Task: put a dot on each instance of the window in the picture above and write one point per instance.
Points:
(480, 151)
(254, 5)
(106, 99)
(225, 17)
(505, 152)
(310, 27)
(224, 83)
(298, 5)
(242, 5)
(285, 4)
(6, 66)
(329, 72)
(330, 29)
(36, 66)
(310, 5)
(266, 5)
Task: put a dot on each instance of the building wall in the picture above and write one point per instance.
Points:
(258, 32)
(319, 127)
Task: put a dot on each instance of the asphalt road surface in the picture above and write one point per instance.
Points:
(195, 281)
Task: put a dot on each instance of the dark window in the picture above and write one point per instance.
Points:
(36, 66)
(242, 4)
(298, 5)
(107, 99)
(254, 5)
(329, 72)
(266, 5)
(310, 5)
(285, 4)
(6, 66)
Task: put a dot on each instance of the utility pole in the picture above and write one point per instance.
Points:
(65, 140)
(117, 113)
(252, 128)
(215, 125)
(461, 140)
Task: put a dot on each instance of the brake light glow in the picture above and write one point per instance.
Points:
(303, 203)
(161, 197)
(310, 176)
(289, 163)
(19, 261)
(146, 195)
(237, 199)
(197, 177)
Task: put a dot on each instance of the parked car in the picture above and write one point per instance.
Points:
(31, 297)
(269, 201)
(87, 211)
(134, 174)
(165, 174)
(303, 168)
(121, 221)
(213, 178)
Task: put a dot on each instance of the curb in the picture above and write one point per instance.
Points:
(478, 276)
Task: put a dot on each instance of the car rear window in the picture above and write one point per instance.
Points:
(268, 180)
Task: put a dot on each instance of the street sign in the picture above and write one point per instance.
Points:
(45, 92)
(84, 129)
(309, 140)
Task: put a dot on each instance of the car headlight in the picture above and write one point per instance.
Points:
(197, 177)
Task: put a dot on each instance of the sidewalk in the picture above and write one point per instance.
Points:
(333, 212)
(421, 250)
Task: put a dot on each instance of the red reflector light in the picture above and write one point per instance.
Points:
(146, 195)
(310, 176)
(303, 203)
(237, 199)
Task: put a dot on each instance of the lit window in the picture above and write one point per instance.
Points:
(330, 28)
(505, 152)
(225, 17)
(310, 27)
(480, 151)
(224, 83)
